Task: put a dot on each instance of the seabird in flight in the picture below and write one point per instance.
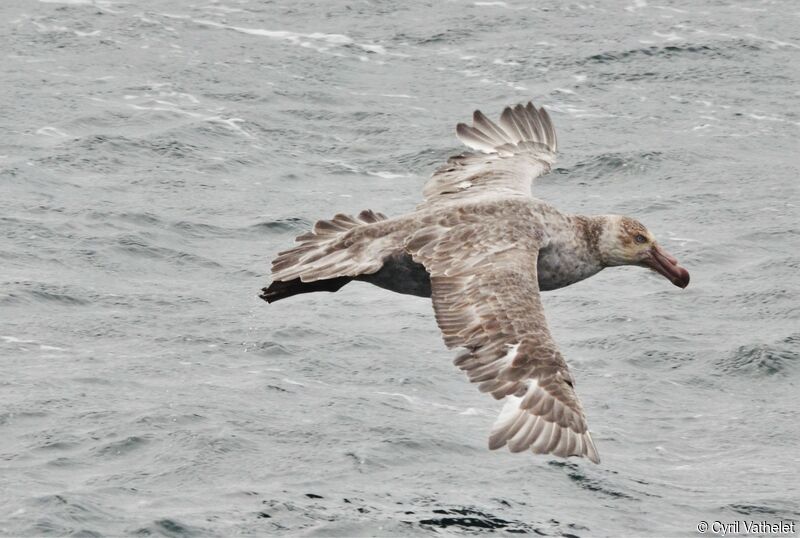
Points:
(482, 248)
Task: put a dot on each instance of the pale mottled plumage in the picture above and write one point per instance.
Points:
(482, 248)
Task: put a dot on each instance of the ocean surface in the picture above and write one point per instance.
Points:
(155, 156)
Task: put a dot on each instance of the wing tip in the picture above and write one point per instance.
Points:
(496, 441)
(590, 450)
(518, 123)
(520, 429)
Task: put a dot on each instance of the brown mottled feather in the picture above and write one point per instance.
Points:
(512, 154)
(486, 299)
(342, 246)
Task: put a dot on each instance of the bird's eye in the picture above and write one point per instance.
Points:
(640, 239)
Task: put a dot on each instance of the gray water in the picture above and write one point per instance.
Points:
(155, 155)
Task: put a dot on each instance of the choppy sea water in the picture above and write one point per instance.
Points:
(155, 155)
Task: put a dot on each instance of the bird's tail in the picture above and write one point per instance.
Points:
(328, 257)
(278, 289)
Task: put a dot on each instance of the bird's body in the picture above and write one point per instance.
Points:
(482, 248)
(566, 257)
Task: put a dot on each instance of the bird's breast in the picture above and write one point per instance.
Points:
(558, 268)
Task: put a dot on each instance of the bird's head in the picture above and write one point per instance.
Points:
(626, 241)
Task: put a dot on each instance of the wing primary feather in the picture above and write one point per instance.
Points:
(507, 123)
(552, 139)
(486, 125)
(474, 138)
(508, 156)
(520, 117)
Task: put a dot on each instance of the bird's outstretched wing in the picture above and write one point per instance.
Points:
(486, 299)
(509, 156)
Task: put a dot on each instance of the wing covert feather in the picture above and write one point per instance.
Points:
(486, 299)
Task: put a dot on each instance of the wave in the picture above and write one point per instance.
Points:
(419, 514)
(135, 245)
(761, 510)
(606, 164)
(764, 360)
(43, 292)
(673, 51)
